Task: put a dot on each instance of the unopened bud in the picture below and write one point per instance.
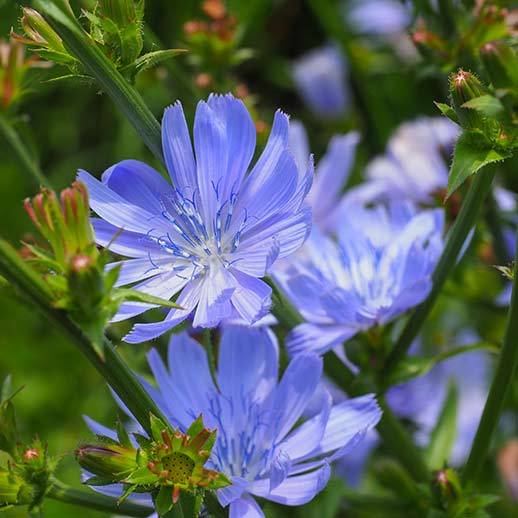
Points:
(429, 43)
(214, 9)
(203, 80)
(122, 12)
(446, 484)
(39, 31)
(31, 454)
(465, 86)
(508, 467)
(110, 461)
(501, 64)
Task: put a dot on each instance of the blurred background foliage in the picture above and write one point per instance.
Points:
(70, 125)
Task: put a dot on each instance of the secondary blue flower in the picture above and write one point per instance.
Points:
(414, 166)
(378, 17)
(380, 267)
(260, 444)
(332, 172)
(320, 78)
(216, 230)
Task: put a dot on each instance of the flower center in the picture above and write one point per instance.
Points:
(179, 466)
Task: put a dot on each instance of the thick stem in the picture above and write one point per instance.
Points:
(111, 367)
(126, 98)
(498, 391)
(21, 153)
(92, 500)
(465, 221)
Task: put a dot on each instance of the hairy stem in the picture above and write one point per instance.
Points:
(498, 391)
(96, 501)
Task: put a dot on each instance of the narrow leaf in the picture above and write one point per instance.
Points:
(129, 295)
(448, 111)
(443, 436)
(485, 104)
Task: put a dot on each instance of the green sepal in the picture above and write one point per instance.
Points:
(487, 105)
(448, 111)
(157, 427)
(140, 477)
(164, 500)
(98, 481)
(123, 435)
(152, 59)
(143, 441)
(128, 295)
(127, 492)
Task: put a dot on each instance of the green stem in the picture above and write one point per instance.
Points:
(208, 344)
(465, 221)
(495, 227)
(126, 98)
(498, 391)
(111, 366)
(21, 153)
(92, 500)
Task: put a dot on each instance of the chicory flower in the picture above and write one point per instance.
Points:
(260, 446)
(211, 234)
(380, 267)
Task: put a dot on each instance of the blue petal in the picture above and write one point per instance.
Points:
(123, 242)
(117, 211)
(138, 184)
(279, 469)
(177, 148)
(245, 507)
(134, 270)
(293, 393)
(317, 338)
(190, 375)
(347, 420)
(211, 147)
(99, 429)
(247, 364)
(252, 297)
(240, 134)
(306, 438)
(296, 490)
(233, 492)
(188, 299)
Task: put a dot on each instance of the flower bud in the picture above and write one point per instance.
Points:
(508, 467)
(465, 86)
(110, 461)
(501, 64)
(122, 12)
(39, 32)
(446, 485)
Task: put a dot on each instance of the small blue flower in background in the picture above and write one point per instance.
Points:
(415, 164)
(377, 17)
(259, 444)
(320, 78)
(216, 230)
(421, 401)
(380, 267)
(331, 173)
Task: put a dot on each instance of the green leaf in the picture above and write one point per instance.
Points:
(443, 435)
(164, 500)
(141, 477)
(486, 104)
(413, 366)
(448, 111)
(469, 158)
(152, 59)
(129, 295)
(122, 435)
(157, 427)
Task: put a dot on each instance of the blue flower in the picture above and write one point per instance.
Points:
(380, 267)
(378, 17)
(414, 166)
(320, 78)
(331, 173)
(216, 230)
(260, 444)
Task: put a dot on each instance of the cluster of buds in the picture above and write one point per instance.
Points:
(116, 27)
(470, 27)
(43, 39)
(220, 23)
(70, 263)
(14, 66)
(28, 473)
(164, 465)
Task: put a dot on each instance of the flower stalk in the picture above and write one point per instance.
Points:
(465, 221)
(502, 381)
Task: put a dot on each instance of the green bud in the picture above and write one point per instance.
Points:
(122, 12)
(13, 490)
(501, 64)
(111, 461)
(446, 485)
(39, 32)
(465, 86)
